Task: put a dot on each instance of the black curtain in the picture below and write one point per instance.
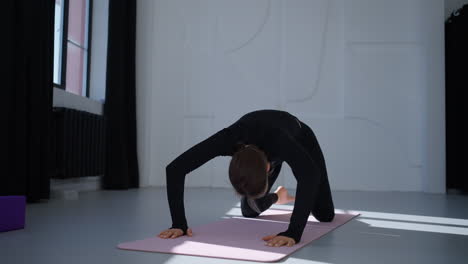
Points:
(121, 167)
(26, 97)
(456, 83)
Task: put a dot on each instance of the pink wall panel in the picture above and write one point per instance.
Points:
(75, 60)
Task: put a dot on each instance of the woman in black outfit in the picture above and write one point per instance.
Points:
(259, 142)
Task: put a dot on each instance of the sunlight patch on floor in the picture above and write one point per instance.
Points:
(434, 228)
(177, 259)
(414, 218)
(408, 222)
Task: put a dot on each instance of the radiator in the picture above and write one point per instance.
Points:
(78, 143)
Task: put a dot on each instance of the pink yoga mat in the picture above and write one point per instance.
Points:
(240, 238)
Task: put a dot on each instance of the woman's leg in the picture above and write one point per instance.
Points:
(324, 210)
(254, 207)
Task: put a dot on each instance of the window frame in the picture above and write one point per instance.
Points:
(63, 69)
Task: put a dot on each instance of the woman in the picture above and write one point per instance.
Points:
(259, 142)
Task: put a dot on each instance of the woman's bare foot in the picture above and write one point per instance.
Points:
(283, 196)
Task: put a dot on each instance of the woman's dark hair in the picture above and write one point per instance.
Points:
(248, 171)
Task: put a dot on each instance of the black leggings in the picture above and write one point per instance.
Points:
(324, 210)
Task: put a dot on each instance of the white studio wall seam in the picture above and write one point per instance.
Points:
(366, 75)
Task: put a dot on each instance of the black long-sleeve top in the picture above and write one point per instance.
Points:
(273, 131)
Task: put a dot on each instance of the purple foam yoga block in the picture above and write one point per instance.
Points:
(12, 212)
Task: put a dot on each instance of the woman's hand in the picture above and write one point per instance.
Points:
(278, 241)
(174, 233)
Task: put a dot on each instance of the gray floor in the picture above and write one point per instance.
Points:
(390, 229)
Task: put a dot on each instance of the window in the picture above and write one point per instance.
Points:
(71, 47)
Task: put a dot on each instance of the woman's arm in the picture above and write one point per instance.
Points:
(308, 176)
(214, 146)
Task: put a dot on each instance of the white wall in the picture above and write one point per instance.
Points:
(366, 75)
